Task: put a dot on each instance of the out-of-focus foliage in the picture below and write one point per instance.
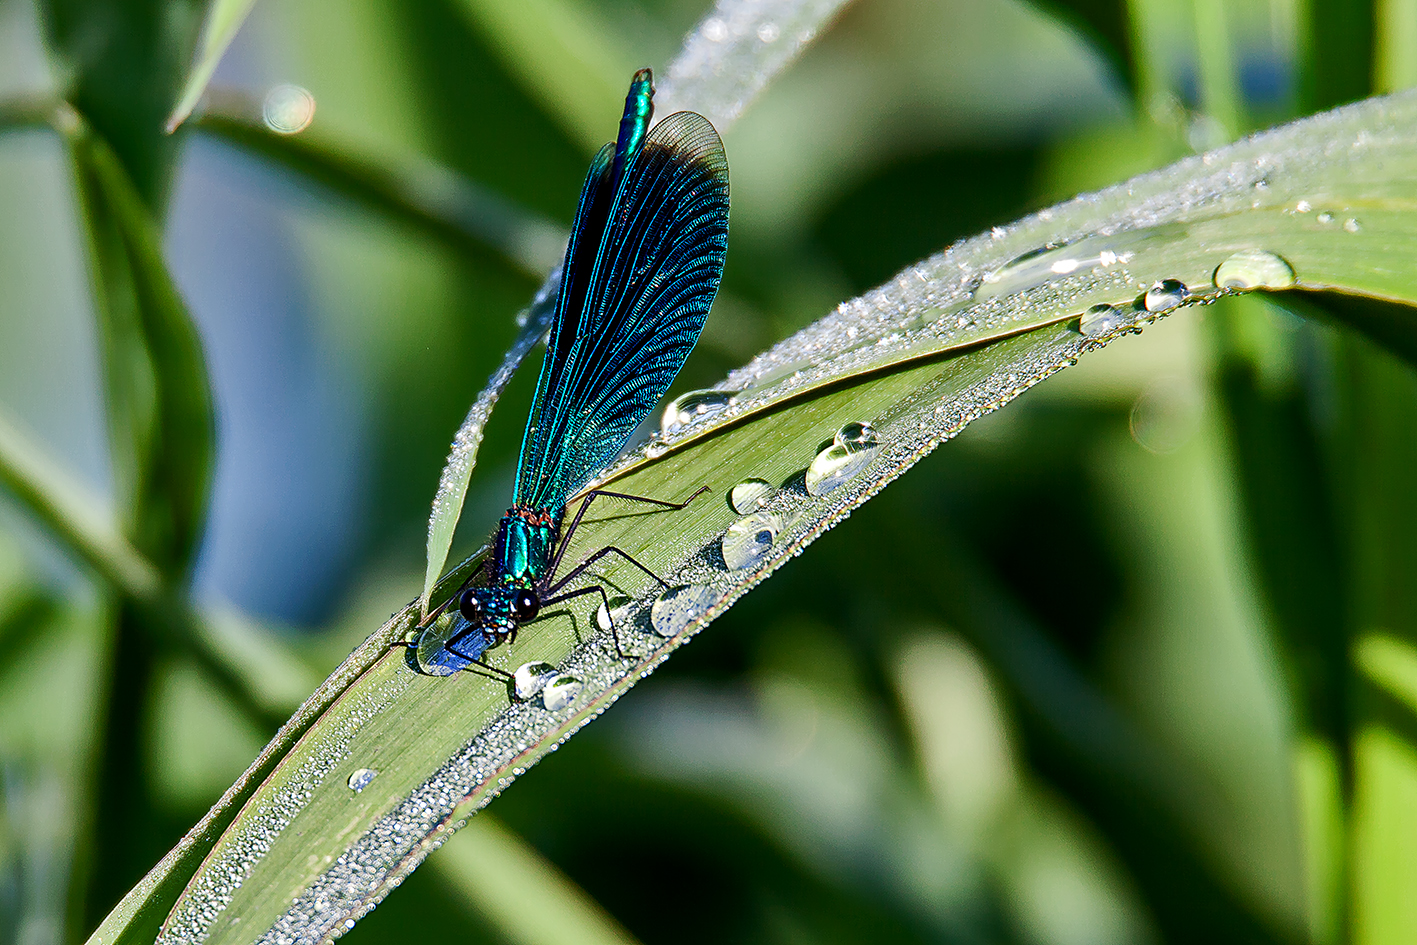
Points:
(1134, 660)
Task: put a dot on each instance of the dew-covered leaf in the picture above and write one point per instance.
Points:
(137, 919)
(825, 420)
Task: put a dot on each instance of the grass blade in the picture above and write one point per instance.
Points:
(75, 519)
(161, 420)
(735, 50)
(138, 917)
(224, 19)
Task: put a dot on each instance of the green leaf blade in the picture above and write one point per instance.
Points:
(224, 19)
(161, 417)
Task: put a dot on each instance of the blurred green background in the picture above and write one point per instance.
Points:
(1133, 660)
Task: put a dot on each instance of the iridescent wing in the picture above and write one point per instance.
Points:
(641, 272)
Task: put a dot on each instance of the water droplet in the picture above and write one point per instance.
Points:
(750, 495)
(361, 779)
(616, 616)
(1254, 269)
(852, 449)
(769, 32)
(1165, 417)
(676, 608)
(747, 542)
(856, 436)
(1051, 262)
(715, 30)
(1351, 225)
(1303, 206)
(531, 678)
(691, 408)
(656, 449)
(1101, 319)
(1165, 295)
(560, 691)
(1325, 217)
(288, 109)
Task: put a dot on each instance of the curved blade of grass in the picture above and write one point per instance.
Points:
(732, 36)
(161, 419)
(224, 19)
(74, 518)
(947, 341)
(138, 917)
(26, 112)
(734, 52)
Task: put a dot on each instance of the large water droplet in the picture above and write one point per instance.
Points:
(1254, 269)
(750, 495)
(361, 779)
(692, 407)
(1352, 225)
(852, 449)
(1325, 217)
(676, 608)
(747, 542)
(769, 32)
(560, 691)
(288, 109)
(1049, 262)
(1101, 319)
(531, 678)
(856, 436)
(1165, 295)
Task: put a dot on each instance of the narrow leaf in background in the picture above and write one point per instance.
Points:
(160, 409)
(223, 20)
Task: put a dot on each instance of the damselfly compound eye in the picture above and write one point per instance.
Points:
(525, 605)
(470, 606)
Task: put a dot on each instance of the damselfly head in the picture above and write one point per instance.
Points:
(498, 610)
